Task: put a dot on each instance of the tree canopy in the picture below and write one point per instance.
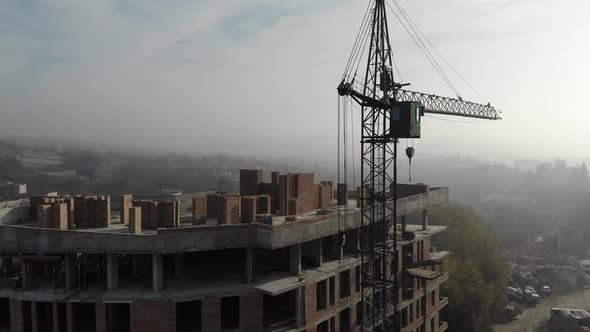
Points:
(478, 273)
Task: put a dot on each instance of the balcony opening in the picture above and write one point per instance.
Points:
(278, 312)
(332, 290)
(84, 316)
(344, 284)
(27, 317)
(118, 317)
(44, 314)
(321, 295)
(323, 326)
(188, 316)
(230, 313)
(345, 320)
(4, 315)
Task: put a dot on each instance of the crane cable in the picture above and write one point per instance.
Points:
(421, 45)
(439, 53)
(358, 42)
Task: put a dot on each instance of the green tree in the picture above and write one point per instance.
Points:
(478, 273)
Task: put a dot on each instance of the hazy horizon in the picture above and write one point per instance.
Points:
(259, 78)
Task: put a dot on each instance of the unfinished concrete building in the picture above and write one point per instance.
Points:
(270, 258)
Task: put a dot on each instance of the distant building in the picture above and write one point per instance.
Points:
(11, 190)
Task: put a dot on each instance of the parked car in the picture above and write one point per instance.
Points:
(546, 290)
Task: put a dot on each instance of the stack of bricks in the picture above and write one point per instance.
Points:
(169, 214)
(224, 207)
(290, 194)
(92, 211)
(199, 210)
(126, 202)
(134, 214)
(254, 205)
(159, 214)
(53, 216)
(325, 195)
(36, 201)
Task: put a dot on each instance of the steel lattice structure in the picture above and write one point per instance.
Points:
(379, 252)
(449, 106)
(378, 243)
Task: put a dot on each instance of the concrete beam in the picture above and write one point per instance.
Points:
(300, 307)
(112, 272)
(295, 259)
(157, 272)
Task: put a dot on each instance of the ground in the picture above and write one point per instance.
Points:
(535, 319)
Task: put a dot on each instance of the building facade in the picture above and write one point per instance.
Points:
(278, 256)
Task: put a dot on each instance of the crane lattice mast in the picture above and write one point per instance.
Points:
(388, 113)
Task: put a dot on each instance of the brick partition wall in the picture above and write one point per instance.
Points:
(199, 210)
(126, 201)
(251, 316)
(211, 314)
(250, 181)
(153, 316)
(249, 209)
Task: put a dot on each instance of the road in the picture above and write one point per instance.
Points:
(535, 319)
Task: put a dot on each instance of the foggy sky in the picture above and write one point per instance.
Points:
(259, 76)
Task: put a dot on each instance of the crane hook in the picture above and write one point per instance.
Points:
(410, 153)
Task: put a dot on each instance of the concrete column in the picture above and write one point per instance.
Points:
(112, 272)
(300, 307)
(158, 272)
(295, 259)
(69, 271)
(34, 317)
(425, 219)
(24, 273)
(70, 317)
(318, 254)
(179, 265)
(404, 224)
(249, 265)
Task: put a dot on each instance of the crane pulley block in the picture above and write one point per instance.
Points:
(405, 119)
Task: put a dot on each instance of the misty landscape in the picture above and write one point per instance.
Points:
(318, 166)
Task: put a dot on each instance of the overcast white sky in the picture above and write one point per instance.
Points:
(259, 76)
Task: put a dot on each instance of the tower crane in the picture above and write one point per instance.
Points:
(389, 112)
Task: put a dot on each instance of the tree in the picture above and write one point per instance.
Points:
(478, 272)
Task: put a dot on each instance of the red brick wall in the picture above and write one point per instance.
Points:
(211, 314)
(213, 205)
(125, 202)
(250, 181)
(249, 208)
(135, 220)
(149, 213)
(153, 317)
(263, 205)
(294, 207)
(59, 216)
(325, 196)
(251, 312)
(199, 210)
(167, 214)
(16, 316)
(230, 210)
(100, 310)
